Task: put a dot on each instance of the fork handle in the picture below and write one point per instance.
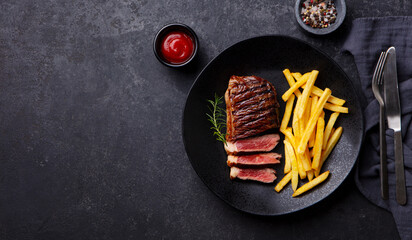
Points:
(399, 169)
(383, 161)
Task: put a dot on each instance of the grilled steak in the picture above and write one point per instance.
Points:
(264, 143)
(266, 175)
(254, 159)
(251, 107)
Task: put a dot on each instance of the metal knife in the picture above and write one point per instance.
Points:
(393, 115)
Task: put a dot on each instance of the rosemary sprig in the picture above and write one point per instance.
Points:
(217, 117)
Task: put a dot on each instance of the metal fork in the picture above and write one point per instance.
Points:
(377, 82)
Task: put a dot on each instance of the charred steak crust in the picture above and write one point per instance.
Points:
(251, 107)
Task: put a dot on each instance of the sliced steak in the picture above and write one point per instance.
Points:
(254, 159)
(264, 143)
(265, 175)
(251, 107)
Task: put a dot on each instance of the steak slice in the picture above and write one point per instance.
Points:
(255, 159)
(251, 107)
(264, 143)
(265, 175)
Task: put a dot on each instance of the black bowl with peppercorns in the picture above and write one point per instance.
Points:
(320, 17)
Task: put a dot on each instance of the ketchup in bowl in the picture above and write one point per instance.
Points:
(175, 45)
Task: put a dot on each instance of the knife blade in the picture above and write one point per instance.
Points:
(393, 115)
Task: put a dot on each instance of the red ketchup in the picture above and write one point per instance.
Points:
(177, 47)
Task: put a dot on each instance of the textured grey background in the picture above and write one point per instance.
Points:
(90, 123)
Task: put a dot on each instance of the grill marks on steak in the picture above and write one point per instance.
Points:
(265, 143)
(254, 159)
(252, 120)
(266, 175)
(251, 107)
(242, 100)
(255, 127)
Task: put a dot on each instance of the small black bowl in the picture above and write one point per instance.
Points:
(163, 32)
(341, 13)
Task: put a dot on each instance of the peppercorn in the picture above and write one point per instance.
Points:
(318, 13)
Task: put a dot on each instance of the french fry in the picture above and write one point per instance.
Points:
(289, 135)
(306, 93)
(317, 149)
(310, 175)
(291, 81)
(296, 131)
(311, 142)
(297, 75)
(306, 75)
(312, 109)
(295, 123)
(331, 132)
(331, 144)
(302, 121)
(288, 111)
(336, 108)
(329, 126)
(308, 158)
(295, 174)
(315, 100)
(301, 126)
(296, 126)
(305, 159)
(312, 121)
(318, 92)
(312, 153)
(305, 119)
(301, 169)
(288, 166)
(306, 114)
(293, 88)
(311, 184)
(282, 183)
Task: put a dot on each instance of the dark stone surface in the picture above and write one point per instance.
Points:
(90, 123)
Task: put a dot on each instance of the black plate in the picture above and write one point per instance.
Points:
(266, 57)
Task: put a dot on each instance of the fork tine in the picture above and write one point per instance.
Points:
(378, 66)
(380, 78)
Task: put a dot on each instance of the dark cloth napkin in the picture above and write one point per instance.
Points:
(367, 38)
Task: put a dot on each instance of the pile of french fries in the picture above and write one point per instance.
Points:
(308, 142)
